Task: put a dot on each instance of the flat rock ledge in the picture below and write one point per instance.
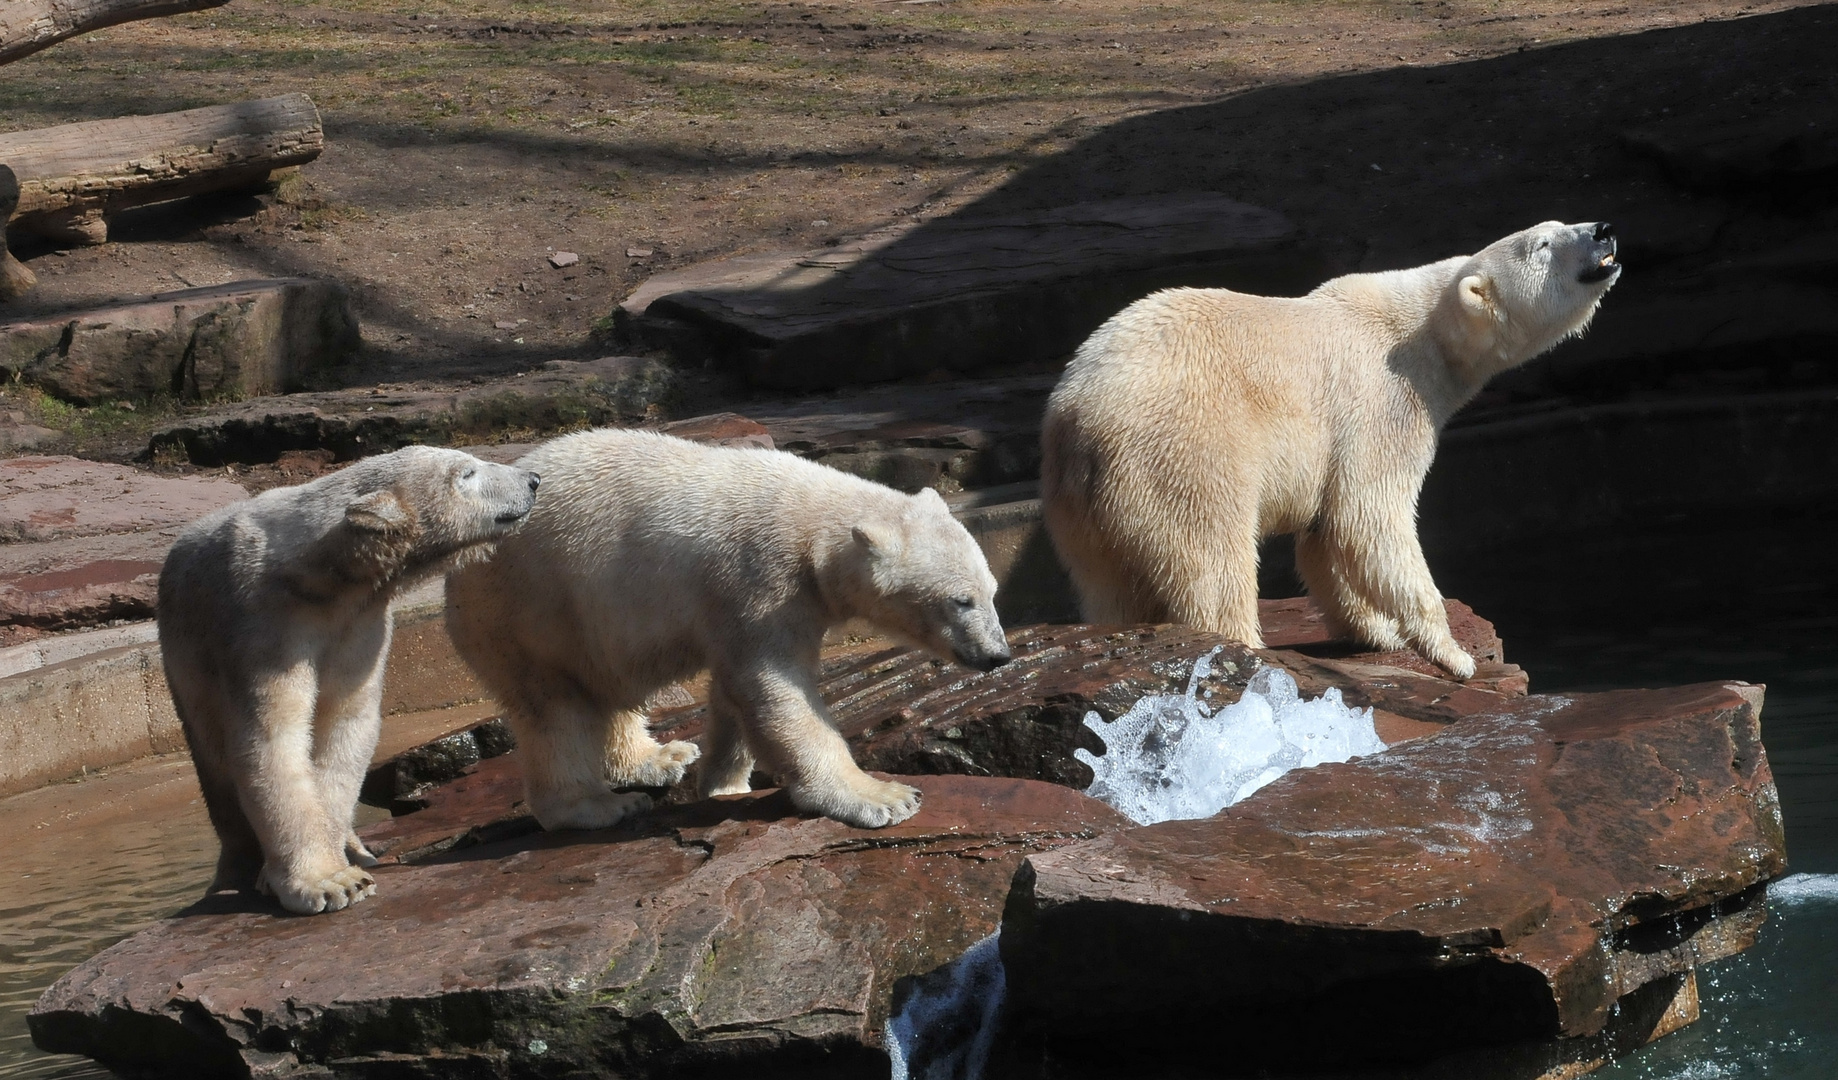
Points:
(728, 936)
(957, 294)
(1525, 880)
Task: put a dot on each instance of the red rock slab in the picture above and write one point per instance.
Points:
(55, 498)
(1509, 878)
(731, 933)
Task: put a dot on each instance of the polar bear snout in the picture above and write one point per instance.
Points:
(1603, 255)
(984, 661)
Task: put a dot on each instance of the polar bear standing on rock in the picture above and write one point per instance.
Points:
(652, 558)
(274, 627)
(1197, 421)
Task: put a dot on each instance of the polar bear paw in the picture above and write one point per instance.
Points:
(663, 767)
(333, 892)
(1452, 659)
(864, 802)
(601, 812)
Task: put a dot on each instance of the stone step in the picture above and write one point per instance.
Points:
(562, 396)
(227, 341)
(959, 294)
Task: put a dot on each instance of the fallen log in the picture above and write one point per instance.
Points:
(27, 26)
(72, 177)
(14, 277)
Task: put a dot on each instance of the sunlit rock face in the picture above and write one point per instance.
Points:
(1507, 880)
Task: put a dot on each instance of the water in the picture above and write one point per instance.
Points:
(1170, 757)
(89, 864)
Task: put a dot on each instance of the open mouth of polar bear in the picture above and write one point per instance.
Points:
(1606, 263)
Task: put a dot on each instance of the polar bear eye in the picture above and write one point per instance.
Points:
(963, 601)
(469, 474)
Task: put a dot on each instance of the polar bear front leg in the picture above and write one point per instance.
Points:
(1347, 612)
(350, 717)
(1386, 565)
(790, 730)
(303, 844)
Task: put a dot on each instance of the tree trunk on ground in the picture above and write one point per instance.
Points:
(71, 176)
(27, 26)
(14, 277)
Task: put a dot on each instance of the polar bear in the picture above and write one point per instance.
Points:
(652, 558)
(1197, 421)
(274, 626)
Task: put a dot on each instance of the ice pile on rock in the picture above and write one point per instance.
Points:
(1172, 758)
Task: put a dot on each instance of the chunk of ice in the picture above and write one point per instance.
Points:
(1170, 757)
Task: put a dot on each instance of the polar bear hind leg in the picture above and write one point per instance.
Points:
(566, 741)
(727, 765)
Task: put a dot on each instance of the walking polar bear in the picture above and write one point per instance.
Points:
(274, 626)
(1197, 421)
(652, 558)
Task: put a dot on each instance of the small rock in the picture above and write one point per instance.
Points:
(563, 258)
(505, 324)
(639, 252)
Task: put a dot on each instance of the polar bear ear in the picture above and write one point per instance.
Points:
(1476, 294)
(931, 495)
(876, 539)
(379, 511)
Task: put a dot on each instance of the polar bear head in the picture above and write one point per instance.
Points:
(421, 509)
(1525, 293)
(930, 583)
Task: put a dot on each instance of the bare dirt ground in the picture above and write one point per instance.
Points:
(468, 141)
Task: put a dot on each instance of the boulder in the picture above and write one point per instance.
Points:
(1506, 881)
(227, 341)
(957, 294)
(729, 936)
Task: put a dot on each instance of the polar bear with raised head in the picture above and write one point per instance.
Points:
(1197, 421)
(274, 627)
(652, 558)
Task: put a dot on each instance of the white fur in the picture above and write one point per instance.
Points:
(274, 627)
(651, 558)
(1197, 421)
